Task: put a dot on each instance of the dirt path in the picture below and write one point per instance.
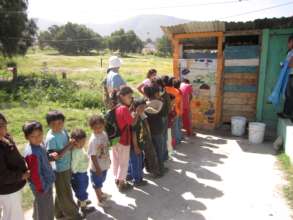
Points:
(210, 178)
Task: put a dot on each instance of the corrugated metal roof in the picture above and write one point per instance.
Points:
(200, 26)
(213, 26)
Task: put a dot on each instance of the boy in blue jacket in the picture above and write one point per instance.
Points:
(42, 174)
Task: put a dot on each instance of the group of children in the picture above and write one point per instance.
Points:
(148, 129)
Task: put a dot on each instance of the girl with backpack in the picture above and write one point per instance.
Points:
(121, 150)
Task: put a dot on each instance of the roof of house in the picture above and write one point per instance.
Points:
(222, 26)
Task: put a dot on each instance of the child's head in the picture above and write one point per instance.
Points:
(79, 136)
(3, 126)
(97, 124)
(152, 73)
(152, 92)
(33, 132)
(159, 82)
(125, 96)
(138, 102)
(186, 81)
(176, 83)
(290, 42)
(55, 120)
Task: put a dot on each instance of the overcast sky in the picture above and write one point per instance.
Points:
(108, 11)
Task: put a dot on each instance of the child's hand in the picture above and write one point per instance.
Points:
(26, 175)
(98, 172)
(140, 109)
(54, 155)
(72, 142)
(137, 151)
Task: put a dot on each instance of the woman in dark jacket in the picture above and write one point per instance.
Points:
(13, 175)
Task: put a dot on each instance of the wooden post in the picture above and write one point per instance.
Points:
(176, 57)
(262, 74)
(14, 73)
(219, 80)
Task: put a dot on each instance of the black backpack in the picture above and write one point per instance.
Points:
(111, 125)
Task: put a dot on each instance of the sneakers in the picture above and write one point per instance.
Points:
(124, 187)
(106, 196)
(104, 204)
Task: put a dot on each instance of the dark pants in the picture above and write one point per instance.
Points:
(64, 203)
(288, 106)
(44, 206)
(135, 168)
(80, 183)
(158, 144)
(165, 139)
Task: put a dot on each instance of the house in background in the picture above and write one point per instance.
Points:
(247, 56)
(149, 48)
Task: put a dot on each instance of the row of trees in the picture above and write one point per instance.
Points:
(18, 33)
(78, 39)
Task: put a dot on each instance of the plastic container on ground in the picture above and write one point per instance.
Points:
(256, 132)
(238, 124)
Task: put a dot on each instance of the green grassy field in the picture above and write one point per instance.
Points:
(83, 70)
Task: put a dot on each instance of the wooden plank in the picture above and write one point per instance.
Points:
(242, 88)
(242, 62)
(240, 82)
(262, 73)
(244, 108)
(242, 33)
(242, 52)
(219, 80)
(240, 95)
(240, 76)
(227, 118)
(176, 56)
(241, 69)
(239, 101)
(197, 35)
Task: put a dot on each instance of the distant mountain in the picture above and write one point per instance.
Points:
(145, 26)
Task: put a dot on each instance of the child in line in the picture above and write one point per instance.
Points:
(79, 166)
(139, 133)
(57, 140)
(174, 92)
(186, 90)
(42, 174)
(13, 175)
(179, 109)
(154, 116)
(151, 75)
(98, 151)
(165, 98)
(121, 150)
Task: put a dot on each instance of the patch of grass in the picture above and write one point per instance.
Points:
(288, 169)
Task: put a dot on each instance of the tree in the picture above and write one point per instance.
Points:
(125, 42)
(164, 46)
(71, 39)
(16, 30)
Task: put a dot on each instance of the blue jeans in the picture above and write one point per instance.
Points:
(135, 167)
(79, 183)
(158, 144)
(177, 126)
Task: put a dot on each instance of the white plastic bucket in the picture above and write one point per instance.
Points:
(256, 132)
(238, 125)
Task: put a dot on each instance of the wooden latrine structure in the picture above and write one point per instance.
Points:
(223, 61)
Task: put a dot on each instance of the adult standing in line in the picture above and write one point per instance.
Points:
(113, 81)
(13, 175)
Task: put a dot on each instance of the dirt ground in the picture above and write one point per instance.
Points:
(211, 177)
